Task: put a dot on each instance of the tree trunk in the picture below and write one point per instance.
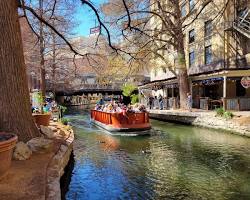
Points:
(182, 78)
(15, 108)
(54, 59)
(42, 62)
(182, 75)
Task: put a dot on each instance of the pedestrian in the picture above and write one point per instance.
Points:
(151, 101)
(160, 99)
(189, 102)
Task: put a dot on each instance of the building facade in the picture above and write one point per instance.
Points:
(217, 55)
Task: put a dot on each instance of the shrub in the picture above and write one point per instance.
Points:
(65, 121)
(228, 115)
(128, 89)
(63, 108)
(220, 111)
(134, 98)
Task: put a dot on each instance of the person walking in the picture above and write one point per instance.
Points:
(189, 102)
(151, 101)
(160, 99)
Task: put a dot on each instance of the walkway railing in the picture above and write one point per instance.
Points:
(238, 104)
(167, 103)
(204, 103)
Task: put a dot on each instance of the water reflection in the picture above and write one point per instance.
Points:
(179, 162)
(107, 142)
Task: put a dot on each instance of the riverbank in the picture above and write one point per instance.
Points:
(175, 162)
(239, 124)
(39, 177)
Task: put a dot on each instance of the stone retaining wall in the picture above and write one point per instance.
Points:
(207, 120)
(56, 167)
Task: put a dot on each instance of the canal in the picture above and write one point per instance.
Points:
(175, 162)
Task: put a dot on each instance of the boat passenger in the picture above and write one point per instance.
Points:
(136, 108)
(110, 108)
(142, 108)
(105, 109)
(101, 102)
(130, 109)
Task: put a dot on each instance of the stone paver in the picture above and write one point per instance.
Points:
(38, 178)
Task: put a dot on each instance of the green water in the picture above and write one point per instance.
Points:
(181, 162)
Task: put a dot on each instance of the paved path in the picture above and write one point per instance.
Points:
(31, 179)
(196, 112)
(239, 124)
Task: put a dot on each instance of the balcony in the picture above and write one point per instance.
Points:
(241, 23)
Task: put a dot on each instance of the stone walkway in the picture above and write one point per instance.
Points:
(239, 124)
(35, 178)
(197, 112)
(26, 179)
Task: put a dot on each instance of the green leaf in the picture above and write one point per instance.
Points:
(128, 89)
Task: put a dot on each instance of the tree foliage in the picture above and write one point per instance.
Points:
(128, 89)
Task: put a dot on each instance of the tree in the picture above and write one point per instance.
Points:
(128, 90)
(14, 100)
(160, 25)
(15, 115)
(156, 30)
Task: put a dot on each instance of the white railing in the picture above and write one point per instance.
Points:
(242, 23)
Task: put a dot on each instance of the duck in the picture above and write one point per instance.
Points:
(146, 151)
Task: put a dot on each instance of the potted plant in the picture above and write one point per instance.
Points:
(43, 117)
(7, 143)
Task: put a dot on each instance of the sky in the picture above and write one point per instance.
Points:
(86, 18)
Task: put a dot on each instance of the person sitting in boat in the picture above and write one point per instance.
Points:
(101, 102)
(142, 108)
(117, 108)
(110, 108)
(98, 107)
(136, 108)
(105, 108)
(123, 109)
(130, 109)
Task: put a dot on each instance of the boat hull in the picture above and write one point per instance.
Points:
(117, 122)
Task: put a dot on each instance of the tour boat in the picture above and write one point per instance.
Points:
(119, 122)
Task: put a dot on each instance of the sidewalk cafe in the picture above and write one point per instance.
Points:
(232, 93)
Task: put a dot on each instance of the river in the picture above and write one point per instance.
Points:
(175, 162)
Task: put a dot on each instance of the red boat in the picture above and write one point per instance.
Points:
(118, 122)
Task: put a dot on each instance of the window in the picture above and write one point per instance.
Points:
(208, 55)
(191, 5)
(191, 36)
(183, 10)
(191, 59)
(208, 28)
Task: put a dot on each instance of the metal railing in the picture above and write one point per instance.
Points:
(242, 23)
(165, 104)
